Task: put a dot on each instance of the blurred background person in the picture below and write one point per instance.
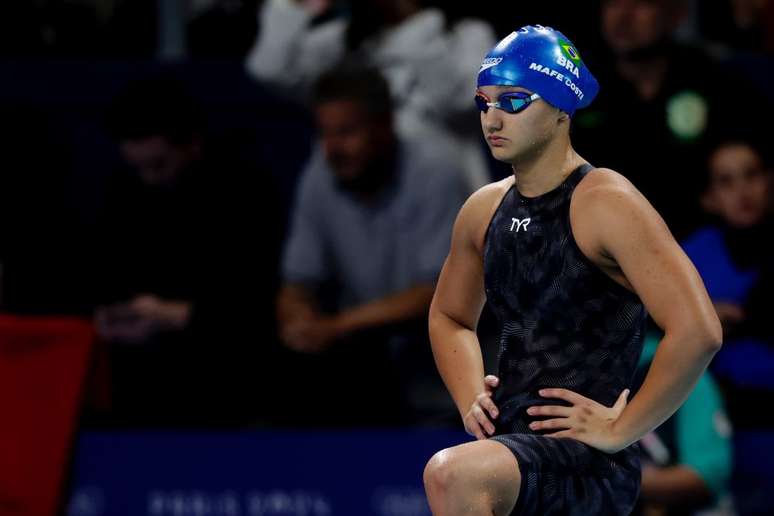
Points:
(426, 60)
(187, 298)
(371, 221)
(736, 266)
(673, 97)
(737, 25)
(735, 262)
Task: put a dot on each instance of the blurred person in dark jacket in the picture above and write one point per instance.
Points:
(186, 298)
(738, 25)
(671, 98)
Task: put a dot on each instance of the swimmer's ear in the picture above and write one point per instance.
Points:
(563, 117)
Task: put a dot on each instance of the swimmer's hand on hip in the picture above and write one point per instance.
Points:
(585, 420)
(477, 420)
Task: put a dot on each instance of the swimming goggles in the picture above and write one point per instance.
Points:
(510, 102)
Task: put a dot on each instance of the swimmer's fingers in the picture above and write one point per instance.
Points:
(590, 423)
(478, 433)
(487, 404)
(550, 410)
(551, 424)
(561, 433)
(566, 395)
(620, 404)
(491, 381)
(482, 420)
(472, 427)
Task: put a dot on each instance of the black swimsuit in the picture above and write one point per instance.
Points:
(565, 323)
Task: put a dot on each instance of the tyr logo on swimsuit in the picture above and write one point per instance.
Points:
(519, 223)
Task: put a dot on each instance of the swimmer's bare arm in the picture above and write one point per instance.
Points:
(617, 228)
(457, 304)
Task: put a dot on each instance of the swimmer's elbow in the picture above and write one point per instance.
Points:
(707, 334)
(712, 331)
(440, 320)
(703, 334)
(714, 337)
(710, 342)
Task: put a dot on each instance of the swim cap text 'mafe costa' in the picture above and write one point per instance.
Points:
(541, 60)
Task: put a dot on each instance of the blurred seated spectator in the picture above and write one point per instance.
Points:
(687, 460)
(669, 97)
(430, 66)
(735, 261)
(370, 230)
(738, 25)
(189, 243)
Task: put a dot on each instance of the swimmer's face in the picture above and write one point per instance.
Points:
(513, 137)
(739, 185)
(351, 138)
(631, 25)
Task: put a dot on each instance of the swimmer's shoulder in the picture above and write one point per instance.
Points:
(479, 209)
(605, 203)
(604, 186)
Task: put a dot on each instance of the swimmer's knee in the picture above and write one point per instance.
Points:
(442, 471)
(483, 464)
(484, 474)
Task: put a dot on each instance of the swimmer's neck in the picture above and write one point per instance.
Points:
(545, 171)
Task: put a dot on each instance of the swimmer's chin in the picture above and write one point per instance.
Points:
(500, 153)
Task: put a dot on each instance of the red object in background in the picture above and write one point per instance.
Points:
(44, 362)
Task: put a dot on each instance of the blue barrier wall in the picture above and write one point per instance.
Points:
(254, 473)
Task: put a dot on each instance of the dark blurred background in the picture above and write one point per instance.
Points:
(211, 190)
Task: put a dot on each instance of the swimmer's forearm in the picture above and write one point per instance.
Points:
(458, 357)
(679, 362)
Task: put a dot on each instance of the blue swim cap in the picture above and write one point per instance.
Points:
(543, 61)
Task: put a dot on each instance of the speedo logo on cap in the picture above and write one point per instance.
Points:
(489, 62)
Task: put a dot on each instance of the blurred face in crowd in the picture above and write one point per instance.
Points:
(352, 139)
(515, 137)
(739, 185)
(630, 26)
(158, 161)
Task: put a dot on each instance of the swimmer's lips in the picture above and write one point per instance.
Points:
(496, 141)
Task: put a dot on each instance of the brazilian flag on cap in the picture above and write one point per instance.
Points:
(570, 52)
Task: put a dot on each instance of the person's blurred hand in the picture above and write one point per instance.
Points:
(169, 315)
(477, 420)
(730, 314)
(311, 334)
(137, 320)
